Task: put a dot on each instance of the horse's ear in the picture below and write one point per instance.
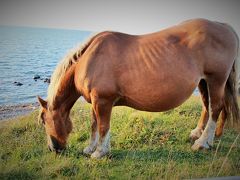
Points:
(42, 102)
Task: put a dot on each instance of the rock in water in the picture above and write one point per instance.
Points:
(47, 80)
(18, 83)
(36, 77)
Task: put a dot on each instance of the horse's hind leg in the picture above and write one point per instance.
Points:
(216, 95)
(94, 136)
(197, 132)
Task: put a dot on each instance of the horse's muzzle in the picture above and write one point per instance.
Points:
(55, 145)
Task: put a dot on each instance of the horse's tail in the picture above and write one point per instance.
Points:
(231, 107)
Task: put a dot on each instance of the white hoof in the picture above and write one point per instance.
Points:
(88, 150)
(196, 133)
(198, 145)
(99, 154)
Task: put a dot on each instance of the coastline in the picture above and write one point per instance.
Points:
(8, 112)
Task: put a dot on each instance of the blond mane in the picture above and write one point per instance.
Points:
(70, 58)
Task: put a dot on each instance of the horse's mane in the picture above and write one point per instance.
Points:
(70, 58)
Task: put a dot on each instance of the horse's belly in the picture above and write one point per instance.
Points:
(155, 103)
(159, 96)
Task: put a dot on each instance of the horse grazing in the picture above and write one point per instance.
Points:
(153, 72)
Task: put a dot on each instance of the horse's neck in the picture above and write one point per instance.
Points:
(67, 94)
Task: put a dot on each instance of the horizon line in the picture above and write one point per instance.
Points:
(39, 27)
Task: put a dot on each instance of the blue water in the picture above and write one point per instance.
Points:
(25, 52)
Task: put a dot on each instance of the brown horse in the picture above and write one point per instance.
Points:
(153, 72)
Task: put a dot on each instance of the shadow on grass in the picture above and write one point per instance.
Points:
(159, 154)
(23, 174)
(152, 155)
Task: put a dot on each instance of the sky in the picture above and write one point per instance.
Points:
(132, 16)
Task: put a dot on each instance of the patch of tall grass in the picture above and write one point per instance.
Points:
(144, 146)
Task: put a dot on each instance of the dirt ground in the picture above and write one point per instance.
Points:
(11, 111)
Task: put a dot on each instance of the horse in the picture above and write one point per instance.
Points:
(152, 72)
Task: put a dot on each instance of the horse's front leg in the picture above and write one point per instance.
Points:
(102, 108)
(94, 136)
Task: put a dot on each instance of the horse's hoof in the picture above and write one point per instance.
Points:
(200, 146)
(195, 134)
(98, 154)
(88, 151)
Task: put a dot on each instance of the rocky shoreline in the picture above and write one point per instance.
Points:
(10, 111)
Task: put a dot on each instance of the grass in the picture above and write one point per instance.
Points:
(144, 146)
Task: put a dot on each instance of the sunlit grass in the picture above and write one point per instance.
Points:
(144, 146)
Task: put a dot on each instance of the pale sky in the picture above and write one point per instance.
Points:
(132, 16)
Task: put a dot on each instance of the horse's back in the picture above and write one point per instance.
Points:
(157, 71)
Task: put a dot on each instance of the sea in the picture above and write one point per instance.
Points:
(26, 53)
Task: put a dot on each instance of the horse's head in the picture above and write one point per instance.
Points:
(57, 126)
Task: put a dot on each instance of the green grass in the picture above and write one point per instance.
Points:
(144, 146)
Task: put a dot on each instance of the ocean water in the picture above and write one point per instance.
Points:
(26, 52)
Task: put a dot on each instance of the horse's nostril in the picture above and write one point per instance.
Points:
(49, 148)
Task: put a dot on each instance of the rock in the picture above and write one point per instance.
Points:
(47, 80)
(36, 77)
(18, 83)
